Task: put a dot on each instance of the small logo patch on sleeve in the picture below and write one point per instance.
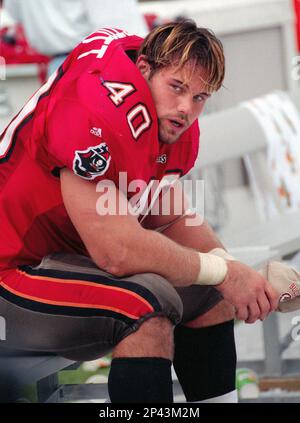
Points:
(92, 162)
(96, 131)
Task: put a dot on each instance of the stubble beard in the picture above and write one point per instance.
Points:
(166, 135)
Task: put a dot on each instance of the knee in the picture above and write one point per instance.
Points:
(151, 335)
(153, 338)
(220, 313)
(157, 328)
(165, 300)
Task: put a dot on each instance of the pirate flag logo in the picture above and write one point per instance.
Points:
(92, 162)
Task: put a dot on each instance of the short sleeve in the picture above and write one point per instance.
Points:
(78, 140)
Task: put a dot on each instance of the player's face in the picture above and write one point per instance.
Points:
(179, 98)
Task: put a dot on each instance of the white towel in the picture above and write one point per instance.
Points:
(275, 180)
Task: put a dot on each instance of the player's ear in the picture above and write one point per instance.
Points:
(144, 66)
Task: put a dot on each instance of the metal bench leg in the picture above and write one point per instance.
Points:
(273, 362)
(46, 387)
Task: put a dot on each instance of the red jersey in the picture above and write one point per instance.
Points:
(96, 116)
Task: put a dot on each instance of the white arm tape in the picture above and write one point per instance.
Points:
(213, 269)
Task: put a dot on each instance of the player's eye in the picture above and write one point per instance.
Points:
(199, 98)
(176, 88)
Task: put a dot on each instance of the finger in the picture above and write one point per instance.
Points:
(254, 312)
(242, 313)
(264, 306)
(272, 295)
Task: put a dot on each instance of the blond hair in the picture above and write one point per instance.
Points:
(178, 44)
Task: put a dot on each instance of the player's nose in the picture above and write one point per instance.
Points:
(185, 105)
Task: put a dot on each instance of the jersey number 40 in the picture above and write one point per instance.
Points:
(138, 117)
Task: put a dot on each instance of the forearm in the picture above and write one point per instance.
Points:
(172, 254)
(153, 252)
(199, 237)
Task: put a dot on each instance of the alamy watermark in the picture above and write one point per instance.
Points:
(164, 197)
(295, 332)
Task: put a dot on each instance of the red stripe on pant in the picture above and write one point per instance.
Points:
(75, 293)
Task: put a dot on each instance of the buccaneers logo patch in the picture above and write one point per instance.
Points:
(92, 162)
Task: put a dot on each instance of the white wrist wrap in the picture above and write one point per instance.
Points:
(213, 269)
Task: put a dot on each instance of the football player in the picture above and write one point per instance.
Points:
(86, 267)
